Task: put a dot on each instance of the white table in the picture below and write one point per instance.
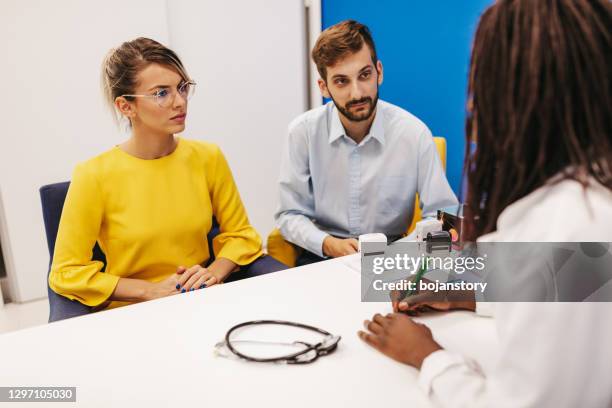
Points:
(160, 353)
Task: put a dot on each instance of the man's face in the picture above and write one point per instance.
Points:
(352, 83)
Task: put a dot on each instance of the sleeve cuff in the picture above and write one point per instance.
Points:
(92, 292)
(241, 247)
(240, 259)
(106, 284)
(485, 309)
(434, 365)
(239, 251)
(314, 241)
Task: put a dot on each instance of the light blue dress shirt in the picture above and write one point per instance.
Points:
(331, 185)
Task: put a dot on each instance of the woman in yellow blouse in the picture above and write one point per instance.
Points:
(149, 202)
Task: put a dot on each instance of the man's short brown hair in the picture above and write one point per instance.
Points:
(338, 41)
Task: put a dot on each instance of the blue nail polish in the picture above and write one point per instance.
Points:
(202, 286)
(192, 289)
(183, 290)
(178, 286)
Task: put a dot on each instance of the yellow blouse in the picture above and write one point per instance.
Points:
(149, 216)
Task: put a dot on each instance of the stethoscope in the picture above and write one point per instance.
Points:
(310, 352)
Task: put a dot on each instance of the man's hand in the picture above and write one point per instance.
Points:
(399, 337)
(336, 247)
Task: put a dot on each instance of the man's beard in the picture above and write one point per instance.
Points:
(357, 117)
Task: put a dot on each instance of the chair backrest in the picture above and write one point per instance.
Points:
(440, 143)
(52, 197)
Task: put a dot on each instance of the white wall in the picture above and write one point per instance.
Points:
(249, 60)
(249, 63)
(314, 30)
(52, 110)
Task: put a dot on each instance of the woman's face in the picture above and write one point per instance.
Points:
(164, 114)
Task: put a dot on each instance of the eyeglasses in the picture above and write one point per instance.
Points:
(165, 96)
(296, 352)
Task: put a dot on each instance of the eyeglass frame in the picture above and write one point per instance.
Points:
(156, 96)
(327, 346)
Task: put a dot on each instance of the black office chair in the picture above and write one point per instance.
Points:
(52, 197)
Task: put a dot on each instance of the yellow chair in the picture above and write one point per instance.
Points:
(288, 253)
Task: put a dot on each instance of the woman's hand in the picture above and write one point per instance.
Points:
(139, 290)
(185, 280)
(399, 337)
(167, 287)
(196, 277)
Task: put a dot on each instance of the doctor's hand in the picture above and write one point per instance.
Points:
(336, 247)
(428, 301)
(399, 337)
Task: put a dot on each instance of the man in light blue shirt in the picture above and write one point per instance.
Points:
(354, 165)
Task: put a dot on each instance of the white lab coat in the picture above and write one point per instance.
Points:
(551, 354)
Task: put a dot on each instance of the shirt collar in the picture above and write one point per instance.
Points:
(377, 130)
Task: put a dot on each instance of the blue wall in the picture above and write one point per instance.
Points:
(425, 49)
